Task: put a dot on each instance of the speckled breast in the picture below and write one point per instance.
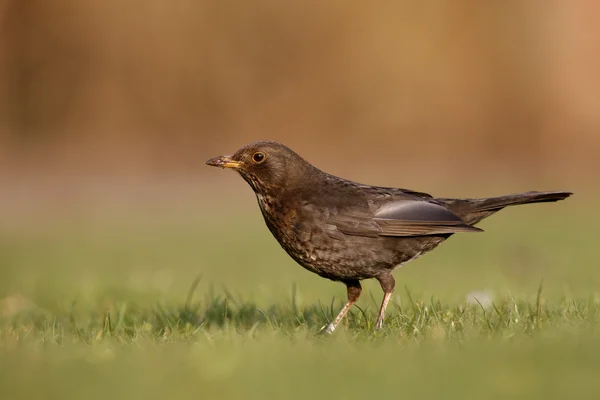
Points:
(306, 241)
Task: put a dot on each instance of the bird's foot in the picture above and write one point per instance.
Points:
(329, 328)
(379, 325)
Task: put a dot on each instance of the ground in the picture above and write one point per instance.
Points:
(182, 305)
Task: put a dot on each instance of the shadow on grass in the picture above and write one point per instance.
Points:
(129, 320)
(224, 313)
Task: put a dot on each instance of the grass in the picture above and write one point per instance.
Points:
(193, 307)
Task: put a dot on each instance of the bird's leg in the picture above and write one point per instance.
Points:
(354, 290)
(387, 283)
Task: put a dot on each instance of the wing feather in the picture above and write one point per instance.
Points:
(416, 218)
(399, 218)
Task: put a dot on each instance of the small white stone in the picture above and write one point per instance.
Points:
(482, 297)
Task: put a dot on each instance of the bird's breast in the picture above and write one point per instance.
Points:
(287, 224)
(281, 218)
(303, 232)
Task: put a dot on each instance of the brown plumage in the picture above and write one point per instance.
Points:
(346, 231)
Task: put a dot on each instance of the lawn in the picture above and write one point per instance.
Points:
(184, 304)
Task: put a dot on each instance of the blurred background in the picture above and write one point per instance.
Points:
(109, 109)
(148, 88)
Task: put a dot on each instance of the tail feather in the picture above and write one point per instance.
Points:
(474, 210)
(497, 203)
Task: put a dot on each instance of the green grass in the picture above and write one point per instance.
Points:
(140, 306)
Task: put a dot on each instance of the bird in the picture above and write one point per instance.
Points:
(346, 231)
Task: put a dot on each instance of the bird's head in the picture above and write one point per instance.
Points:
(266, 166)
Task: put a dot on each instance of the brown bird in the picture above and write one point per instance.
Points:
(346, 231)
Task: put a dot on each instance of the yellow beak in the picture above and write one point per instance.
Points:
(224, 162)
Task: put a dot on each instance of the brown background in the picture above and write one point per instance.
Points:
(431, 95)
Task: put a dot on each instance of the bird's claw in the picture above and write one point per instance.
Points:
(328, 329)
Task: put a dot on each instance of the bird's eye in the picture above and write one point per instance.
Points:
(258, 157)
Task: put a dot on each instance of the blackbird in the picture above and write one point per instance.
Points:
(347, 231)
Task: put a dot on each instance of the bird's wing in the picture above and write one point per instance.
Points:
(409, 192)
(416, 218)
(399, 218)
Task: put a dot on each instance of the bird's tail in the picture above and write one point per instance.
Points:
(497, 203)
(474, 210)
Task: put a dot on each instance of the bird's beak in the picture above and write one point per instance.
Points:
(224, 162)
